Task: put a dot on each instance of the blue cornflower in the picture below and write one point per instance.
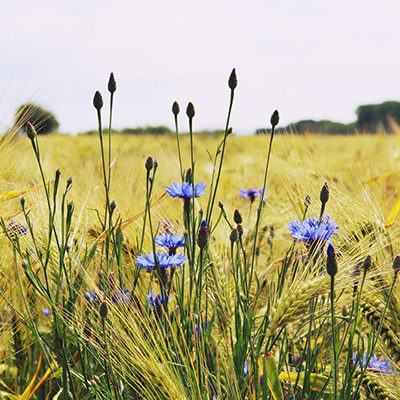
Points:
(16, 229)
(164, 260)
(185, 190)
(46, 312)
(252, 193)
(171, 242)
(122, 296)
(204, 327)
(310, 230)
(375, 364)
(155, 301)
(92, 296)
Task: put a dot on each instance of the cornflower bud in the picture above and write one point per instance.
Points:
(237, 217)
(232, 82)
(112, 85)
(103, 310)
(229, 131)
(175, 108)
(155, 164)
(331, 264)
(221, 205)
(275, 118)
(113, 206)
(30, 131)
(189, 175)
(324, 195)
(202, 236)
(367, 263)
(307, 201)
(98, 101)
(190, 112)
(233, 237)
(240, 230)
(396, 264)
(149, 163)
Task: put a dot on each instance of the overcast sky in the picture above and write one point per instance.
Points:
(310, 59)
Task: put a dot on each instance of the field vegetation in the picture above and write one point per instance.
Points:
(285, 291)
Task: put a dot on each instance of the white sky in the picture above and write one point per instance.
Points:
(309, 59)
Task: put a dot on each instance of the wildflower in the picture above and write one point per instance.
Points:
(252, 193)
(46, 312)
(396, 265)
(185, 190)
(171, 242)
(237, 217)
(203, 328)
(92, 297)
(16, 229)
(274, 118)
(312, 230)
(122, 296)
(164, 260)
(155, 301)
(375, 364)
(103, 311)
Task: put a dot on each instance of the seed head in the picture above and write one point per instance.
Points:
(331, 263)
(232, 82)
(103, 310)
(112, 85)
(175, 108)
(190, 112)
(98, 101)
(149, 163)
(274, 118)
(233, 237)
(30, 131)
(202, 236)
(396, 264)
(237, 217)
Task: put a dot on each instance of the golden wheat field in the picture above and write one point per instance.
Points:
(151, 355)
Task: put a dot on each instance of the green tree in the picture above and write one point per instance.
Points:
(372, 116)
(44, 120)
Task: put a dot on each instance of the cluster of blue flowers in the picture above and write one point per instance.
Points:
(120, 296)
(313, 230)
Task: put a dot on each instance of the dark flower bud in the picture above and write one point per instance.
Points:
(175, 108)
(240, 230)
(113, 206)
(275, 118)
(367, 263)
(324, 195)
(98, 101)
(237, 217)
(24, 264)
(155, 163)
(233, 237)
(112, 85)
(22, 201)
(232, 82)
(149, 163)
(272, 231)
(189, 175)
(396, 264)
(331, 263)
(229, 131)
(103, 310)
(221, 205)
(30, 131)
(202, 236)
(69, 182)
(190, 110)
(307, 201)
(58, 174)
